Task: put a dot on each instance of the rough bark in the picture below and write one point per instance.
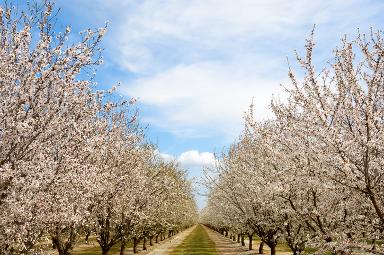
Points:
(122, 248)
(64, 245)
(250, 241)
(144, 243)
(261, 247)
(273, 249)
(135, 243)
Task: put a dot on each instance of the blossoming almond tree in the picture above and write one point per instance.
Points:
(318, 165)
(45, 120)
(341, 108)
(71, 158)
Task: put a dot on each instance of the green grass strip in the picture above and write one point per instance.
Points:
(197, 242)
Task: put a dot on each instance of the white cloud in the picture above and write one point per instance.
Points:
(166, 157)
(192, 159)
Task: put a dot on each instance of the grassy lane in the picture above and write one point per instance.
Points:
(197, 242)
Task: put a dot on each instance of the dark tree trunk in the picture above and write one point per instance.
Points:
(238, 238)
(135, 243)
(144, 243)
(273, 249)
(87, 236)
(151, 240)
(157, 239)
(242, 240)
(250, 241)
(104, 250)
(261, 247)
(64, 245)
(106, 239)
(122, 248)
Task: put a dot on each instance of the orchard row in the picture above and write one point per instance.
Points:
(312, 176)
(73, 160)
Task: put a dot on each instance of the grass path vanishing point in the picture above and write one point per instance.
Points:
(197, 242)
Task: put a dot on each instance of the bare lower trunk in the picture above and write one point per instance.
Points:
(122, 248)
(64, 242)
(135, 243)
(144, 243)
(238, 238)
(157, 239)
(151, 240)
(87, 236)
(105, 238)
(242, 240)
(273, 250)
(250, 241)
(261, 247)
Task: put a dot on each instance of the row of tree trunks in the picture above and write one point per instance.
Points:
(240, 239)
(145, 239)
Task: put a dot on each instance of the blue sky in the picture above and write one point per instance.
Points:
(195, 65)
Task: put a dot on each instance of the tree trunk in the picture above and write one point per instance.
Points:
(273, 249)
(261, 247)
(122, 248)
(87, 236)
(104, 250)
(242, 240)
(250, 241)
(64, 245)
(144, 243)
(150, 240)
(135, 242)
(157, 239)
(238, 238)
(105, 241)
